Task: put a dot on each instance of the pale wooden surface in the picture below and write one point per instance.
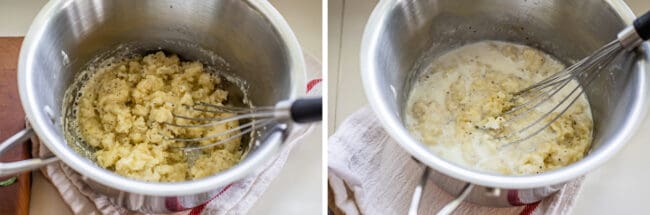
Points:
(14, 198)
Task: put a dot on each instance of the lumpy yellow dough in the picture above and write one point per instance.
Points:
(457, 107)
(125, 110)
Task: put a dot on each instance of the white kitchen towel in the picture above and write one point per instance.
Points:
(369, 173)
(237, 198)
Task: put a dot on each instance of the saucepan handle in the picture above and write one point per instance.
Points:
(12, 168)
(448, 208)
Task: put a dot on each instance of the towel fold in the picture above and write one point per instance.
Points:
(369, 173)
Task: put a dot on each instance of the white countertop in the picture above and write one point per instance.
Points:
(618, 187)
(287, 194)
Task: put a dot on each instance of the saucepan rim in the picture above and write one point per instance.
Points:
(54, 141)
(394, 126)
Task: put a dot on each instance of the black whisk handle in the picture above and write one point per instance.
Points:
(642, 26)
(307, 110)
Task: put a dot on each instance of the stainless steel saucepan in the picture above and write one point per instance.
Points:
(249, 35)
(403, 36)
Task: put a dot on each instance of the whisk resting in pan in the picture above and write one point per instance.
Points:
(303, 110)
(585, 71)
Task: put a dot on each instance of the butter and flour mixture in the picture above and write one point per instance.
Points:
(454, 108)
(125, 109)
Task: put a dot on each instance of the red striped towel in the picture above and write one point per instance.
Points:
(370, 173)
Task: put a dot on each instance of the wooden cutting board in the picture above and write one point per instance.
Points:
(14, 198)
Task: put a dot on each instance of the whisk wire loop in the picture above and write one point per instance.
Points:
(536, 95)
(251, 127)
(304, 110)
(219, 120)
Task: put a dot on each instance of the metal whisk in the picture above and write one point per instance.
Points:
(303, 110)
(586, 71)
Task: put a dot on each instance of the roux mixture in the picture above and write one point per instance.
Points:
(456, 109)
(125, 108)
